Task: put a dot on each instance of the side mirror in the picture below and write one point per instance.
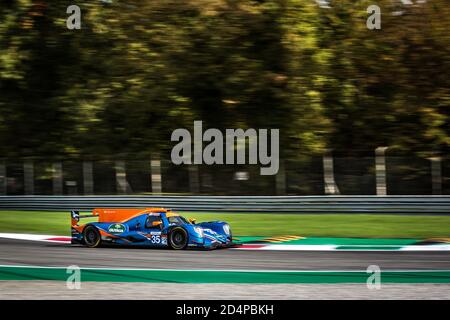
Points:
(156, 223)
(192, 220)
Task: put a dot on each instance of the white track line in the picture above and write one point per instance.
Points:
(320, 247)
(433, 247)
(267, 247)
(34, 237)
(222, 270)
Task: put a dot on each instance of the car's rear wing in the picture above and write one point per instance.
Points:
(75, 217)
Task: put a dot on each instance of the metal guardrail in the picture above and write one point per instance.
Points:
(287, 204)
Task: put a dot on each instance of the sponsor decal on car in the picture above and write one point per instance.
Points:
(116, 228)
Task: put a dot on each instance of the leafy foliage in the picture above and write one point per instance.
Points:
(137, 70)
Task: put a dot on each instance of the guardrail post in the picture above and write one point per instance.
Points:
(380, 170)
(3, 178)
(28, 176)
(121, 177)
(194, 180)
(57, 178)
(328, 174)
(280, 180)
(88, 178)
(155, 165)
(436, 175)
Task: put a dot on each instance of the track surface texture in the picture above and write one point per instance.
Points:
(38, 290)
(19, 252)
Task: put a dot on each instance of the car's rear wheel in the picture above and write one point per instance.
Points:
(178, 238)
(91, 237)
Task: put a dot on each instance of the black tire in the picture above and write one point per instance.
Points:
(91, 237)
(178, 238)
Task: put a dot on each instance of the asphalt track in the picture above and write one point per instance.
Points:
(42, 290)
(20, 252)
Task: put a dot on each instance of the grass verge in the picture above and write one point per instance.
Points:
(308, 225)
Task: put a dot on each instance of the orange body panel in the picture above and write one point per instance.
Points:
(106, 234)
(123, 215)
(116, 215)
(77, 227)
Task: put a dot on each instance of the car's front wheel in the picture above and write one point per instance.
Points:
(178, 238)
(91, 237)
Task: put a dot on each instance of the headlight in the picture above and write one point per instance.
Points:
(199, 231)
(226, 229)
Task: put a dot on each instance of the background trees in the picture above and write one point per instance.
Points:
(137, 70)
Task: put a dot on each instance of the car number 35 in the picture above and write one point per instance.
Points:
(155, 239)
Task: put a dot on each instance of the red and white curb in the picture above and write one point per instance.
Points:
(262, 247)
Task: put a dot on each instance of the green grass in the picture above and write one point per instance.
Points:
(309, 225)
(214, 276)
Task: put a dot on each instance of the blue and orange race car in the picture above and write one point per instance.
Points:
(152, 227)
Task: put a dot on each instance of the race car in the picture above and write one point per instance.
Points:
(152, 227)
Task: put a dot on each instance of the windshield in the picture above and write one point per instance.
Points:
(150, 219)
(177, 220)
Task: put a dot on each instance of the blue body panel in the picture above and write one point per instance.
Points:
(137, 232)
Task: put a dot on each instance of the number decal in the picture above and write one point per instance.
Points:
(155, 239)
